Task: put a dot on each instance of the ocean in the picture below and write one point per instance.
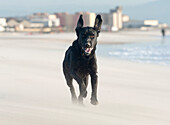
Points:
(145, 52)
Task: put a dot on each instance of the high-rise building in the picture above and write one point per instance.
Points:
(89, 18)
(112, 21)
(69, 21)
(116, 18)
(66, 21)
(105, 24)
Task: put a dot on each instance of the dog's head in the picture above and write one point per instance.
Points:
(87, 36)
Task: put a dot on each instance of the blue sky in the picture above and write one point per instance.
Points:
(26, 7)
(21, 7)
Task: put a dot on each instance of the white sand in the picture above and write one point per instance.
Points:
(33, 90)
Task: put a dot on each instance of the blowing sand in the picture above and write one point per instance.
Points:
(33, 90)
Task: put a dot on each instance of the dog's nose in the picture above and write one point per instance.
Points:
(87, 45)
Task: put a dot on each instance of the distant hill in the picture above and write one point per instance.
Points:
(159, 9)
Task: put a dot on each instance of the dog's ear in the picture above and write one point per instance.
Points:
(97, 24)
(79, 24)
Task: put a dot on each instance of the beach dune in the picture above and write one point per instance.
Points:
(33, 90)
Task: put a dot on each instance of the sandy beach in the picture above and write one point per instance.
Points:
(33, 90)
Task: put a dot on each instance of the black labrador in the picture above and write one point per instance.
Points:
(80, 60)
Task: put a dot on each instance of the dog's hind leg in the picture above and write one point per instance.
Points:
(72, 90)
(82, 88)
(86, 79)
(69, 81)
(94, 80)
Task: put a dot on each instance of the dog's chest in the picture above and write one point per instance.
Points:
(82, 66)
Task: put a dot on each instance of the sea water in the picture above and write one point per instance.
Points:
(145, 52)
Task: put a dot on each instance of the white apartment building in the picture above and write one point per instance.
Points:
(3, 22)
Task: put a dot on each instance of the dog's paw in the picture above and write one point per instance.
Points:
(94, 101)
(74, 100)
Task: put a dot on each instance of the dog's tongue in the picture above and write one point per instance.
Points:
(88, 50)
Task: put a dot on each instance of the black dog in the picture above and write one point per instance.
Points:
(80, 60)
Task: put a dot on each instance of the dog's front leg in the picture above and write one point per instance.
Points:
(82, 88)
(94, 83)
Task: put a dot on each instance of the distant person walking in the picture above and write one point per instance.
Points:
(163, 32)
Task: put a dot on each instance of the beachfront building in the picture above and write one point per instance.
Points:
(125, 18)
(133, 24)
(116, 19)
(113, 21)
(25, 23)
(3, 22)
(66, 21)
(44, 18)
(163, 25)
(141, 23)
(69, 21)
(89, 18)
(11, 22)
(105, 24)
(2, 29)
(153, 23)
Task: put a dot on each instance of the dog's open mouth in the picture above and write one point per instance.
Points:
(88, 51)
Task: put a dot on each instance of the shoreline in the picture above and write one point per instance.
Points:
(121, 37)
